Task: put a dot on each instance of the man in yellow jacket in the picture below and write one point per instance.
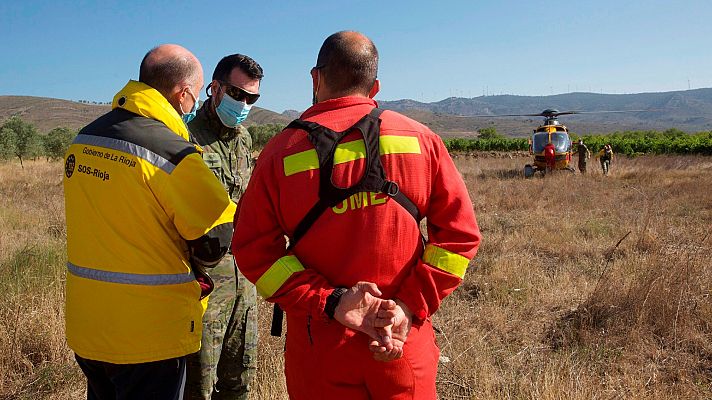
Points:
(606, 157)
(145, 216)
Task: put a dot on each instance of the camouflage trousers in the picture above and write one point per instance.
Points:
(605, 165)
(582, 164)
(225, 365)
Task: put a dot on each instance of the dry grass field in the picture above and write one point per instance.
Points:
(585, 287)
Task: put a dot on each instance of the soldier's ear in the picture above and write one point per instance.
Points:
(375, 89)
(214, 86)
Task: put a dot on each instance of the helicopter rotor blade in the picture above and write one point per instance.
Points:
(555, 114)
(607, 112)
(496, 115)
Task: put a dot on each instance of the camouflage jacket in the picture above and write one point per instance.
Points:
(230, 160)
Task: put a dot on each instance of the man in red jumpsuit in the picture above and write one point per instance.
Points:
(358, 285)
(550, 157)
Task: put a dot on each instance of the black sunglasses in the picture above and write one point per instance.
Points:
(239, 93)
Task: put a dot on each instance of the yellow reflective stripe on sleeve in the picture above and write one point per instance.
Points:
(277, 274)
(350, 151)
(445, 260)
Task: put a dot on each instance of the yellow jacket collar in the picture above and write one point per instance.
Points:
(146, 101)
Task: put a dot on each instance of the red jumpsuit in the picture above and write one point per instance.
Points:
(368, 237)
(550, 156)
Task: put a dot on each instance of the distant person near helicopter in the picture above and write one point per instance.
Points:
(583, 155)
(550, 157)
(606, 157)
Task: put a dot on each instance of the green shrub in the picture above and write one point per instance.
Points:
(261, 134)
(671, 141)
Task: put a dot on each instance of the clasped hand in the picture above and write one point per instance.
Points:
(386, 322)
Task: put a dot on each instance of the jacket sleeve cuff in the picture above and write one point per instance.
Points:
(323, 295)
(412, 297)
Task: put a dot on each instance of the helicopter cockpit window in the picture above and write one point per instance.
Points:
(561, 141)
(539, 141)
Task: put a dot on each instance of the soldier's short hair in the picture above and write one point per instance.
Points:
(246, 64)
(349, 65)
(165, 74)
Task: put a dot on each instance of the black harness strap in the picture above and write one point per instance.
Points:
(374, 179)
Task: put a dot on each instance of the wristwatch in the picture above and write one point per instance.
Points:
(333, 300)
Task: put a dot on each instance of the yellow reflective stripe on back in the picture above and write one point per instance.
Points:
(350, 151)
(277, 274)
(399, 145)
(445, 260)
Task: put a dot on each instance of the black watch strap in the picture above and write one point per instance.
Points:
(333, 300)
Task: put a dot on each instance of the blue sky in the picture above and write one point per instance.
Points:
(428, 50)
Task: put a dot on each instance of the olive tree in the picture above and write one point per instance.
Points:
(261, 134)
(7, 143)
(24, 136)
(489, 132)
(57, 142)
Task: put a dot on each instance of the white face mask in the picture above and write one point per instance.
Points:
(232, 112)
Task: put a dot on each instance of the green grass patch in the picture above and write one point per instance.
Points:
(32, 267)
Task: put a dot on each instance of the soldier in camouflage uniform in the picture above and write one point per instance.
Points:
(225, 366)
(583, 155)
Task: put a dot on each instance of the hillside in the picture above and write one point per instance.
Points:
(47, 113)
(689, 110)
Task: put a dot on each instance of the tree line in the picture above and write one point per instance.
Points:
(631, 143)
(671, 141)
(22, 140)
(94, 102)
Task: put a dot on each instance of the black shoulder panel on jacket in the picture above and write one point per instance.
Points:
(148, 133)
(208, 249)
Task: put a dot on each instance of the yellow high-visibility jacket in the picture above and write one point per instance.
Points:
(140, 205)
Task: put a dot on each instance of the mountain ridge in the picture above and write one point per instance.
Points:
(687, 110)
(48, 113)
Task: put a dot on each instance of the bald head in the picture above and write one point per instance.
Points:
(348, 63)
(168, 67)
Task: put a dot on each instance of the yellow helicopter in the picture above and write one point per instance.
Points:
(550, 143)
